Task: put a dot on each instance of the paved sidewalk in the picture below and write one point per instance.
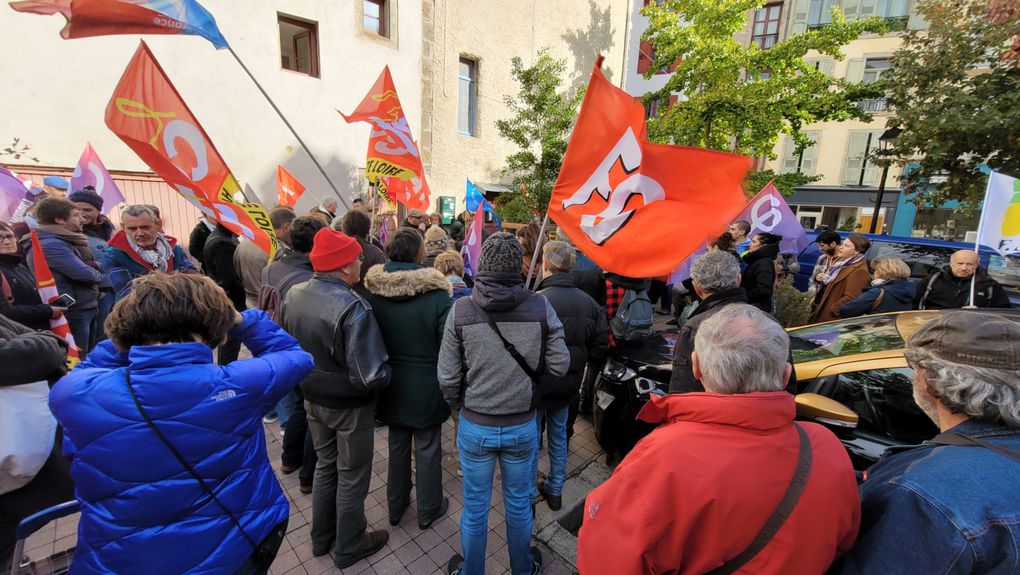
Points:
(410, 550)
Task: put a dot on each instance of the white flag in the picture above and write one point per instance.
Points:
(1000, 216)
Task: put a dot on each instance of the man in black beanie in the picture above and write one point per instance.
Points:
(496, 344)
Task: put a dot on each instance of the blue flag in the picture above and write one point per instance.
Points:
(473, 197)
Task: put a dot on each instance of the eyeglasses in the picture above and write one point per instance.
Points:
(7, 237)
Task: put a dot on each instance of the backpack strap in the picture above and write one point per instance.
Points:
(782, 512)
(954, 438)
(927, 290)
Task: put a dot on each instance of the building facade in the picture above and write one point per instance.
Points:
(844, 197)
(313, 57)
(467, 76)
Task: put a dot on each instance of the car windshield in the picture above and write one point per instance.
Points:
(1005, 270)
(853, 336)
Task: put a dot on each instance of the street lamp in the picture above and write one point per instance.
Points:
(886, 137)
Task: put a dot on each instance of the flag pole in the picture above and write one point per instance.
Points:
(291, 128)
(534, 256)
(977, 241)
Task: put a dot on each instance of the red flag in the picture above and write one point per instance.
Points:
(288, 188)
(635, 207)
(393, 158)
(148, 114)
(86, 18)
(48, 292)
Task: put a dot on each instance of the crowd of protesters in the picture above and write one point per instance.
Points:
(161, 433)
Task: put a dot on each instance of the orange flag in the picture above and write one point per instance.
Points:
(393, 159)
(635, 207)
(288, 188)
(48, 292)
(148, 114)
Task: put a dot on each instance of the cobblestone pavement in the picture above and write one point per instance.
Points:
(409, 550)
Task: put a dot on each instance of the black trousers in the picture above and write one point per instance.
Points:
(51, 486)
(259, 561)
(298, 449)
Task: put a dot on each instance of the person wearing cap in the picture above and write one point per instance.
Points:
(496, 392)
(94, 223)
(415, 220)
(436, 242)
(339, 329)
(55, 186)
(586, 332)
(950, 505)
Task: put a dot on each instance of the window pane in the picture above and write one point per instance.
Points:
(858, 335)
(372, 9)
(371, 24)
(884, 401)
(464, 107)
(465, 69)
(773, 27)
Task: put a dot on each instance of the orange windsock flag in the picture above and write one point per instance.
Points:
(288, 188)
(393, 159)
(148, 114)
(48, 292)
(635, 207)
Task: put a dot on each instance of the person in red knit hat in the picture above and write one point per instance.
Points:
(337, 327)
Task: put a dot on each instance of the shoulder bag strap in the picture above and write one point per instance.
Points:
(184, 463)
(878, 300)
(534, 375)
(786, 505)
(953, 438)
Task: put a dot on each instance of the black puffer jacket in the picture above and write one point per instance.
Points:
(682, 380)
(28, 355)
(759, 279)
(27, 308)
(585, 330)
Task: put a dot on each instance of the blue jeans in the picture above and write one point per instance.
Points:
(285, 407)
(480, 447)
(83, 325)
(556, 431)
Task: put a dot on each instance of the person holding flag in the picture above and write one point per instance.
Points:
(64, 250)
(21, 301)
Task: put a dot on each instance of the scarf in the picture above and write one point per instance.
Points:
(837, 266)
(78, 240)
(159, 257)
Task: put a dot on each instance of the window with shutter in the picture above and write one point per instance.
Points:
(809, 157)
(645, 54)
(800, 16)
(858, 169)
(855, 70)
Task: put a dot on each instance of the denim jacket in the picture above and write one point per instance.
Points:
(942, 509)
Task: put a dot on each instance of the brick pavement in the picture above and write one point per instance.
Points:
(409, 550)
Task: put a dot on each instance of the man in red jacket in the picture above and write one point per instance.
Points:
(729, 480)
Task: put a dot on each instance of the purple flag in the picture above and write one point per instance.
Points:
(90, 171)
(472, 248)
(767, 212)
(12, 193)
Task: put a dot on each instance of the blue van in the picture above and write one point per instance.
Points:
(923, 255)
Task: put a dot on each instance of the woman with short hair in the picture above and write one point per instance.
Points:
(845, 279)
(891, 290)
(410, 302)
(169, 454)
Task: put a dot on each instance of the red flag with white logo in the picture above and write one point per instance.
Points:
(288, 188)
(48, 292)
(638, 208)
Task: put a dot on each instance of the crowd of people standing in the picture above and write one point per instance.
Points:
(347, 332)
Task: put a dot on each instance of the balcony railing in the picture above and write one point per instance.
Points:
(873, 105)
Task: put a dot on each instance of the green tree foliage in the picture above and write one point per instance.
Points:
(785, 183)
(540, 124)
(741, 98)
(955, 92)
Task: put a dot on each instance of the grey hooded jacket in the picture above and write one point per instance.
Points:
(476, 372)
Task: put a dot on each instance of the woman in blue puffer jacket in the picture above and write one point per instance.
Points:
(168, 451)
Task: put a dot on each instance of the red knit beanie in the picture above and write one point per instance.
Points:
(333, 250)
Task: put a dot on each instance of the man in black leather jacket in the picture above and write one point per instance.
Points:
(336, 326)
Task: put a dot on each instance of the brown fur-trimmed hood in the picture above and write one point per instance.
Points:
(405, 283)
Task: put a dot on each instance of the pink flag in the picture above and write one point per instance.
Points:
(90, 171)
(472, 248)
